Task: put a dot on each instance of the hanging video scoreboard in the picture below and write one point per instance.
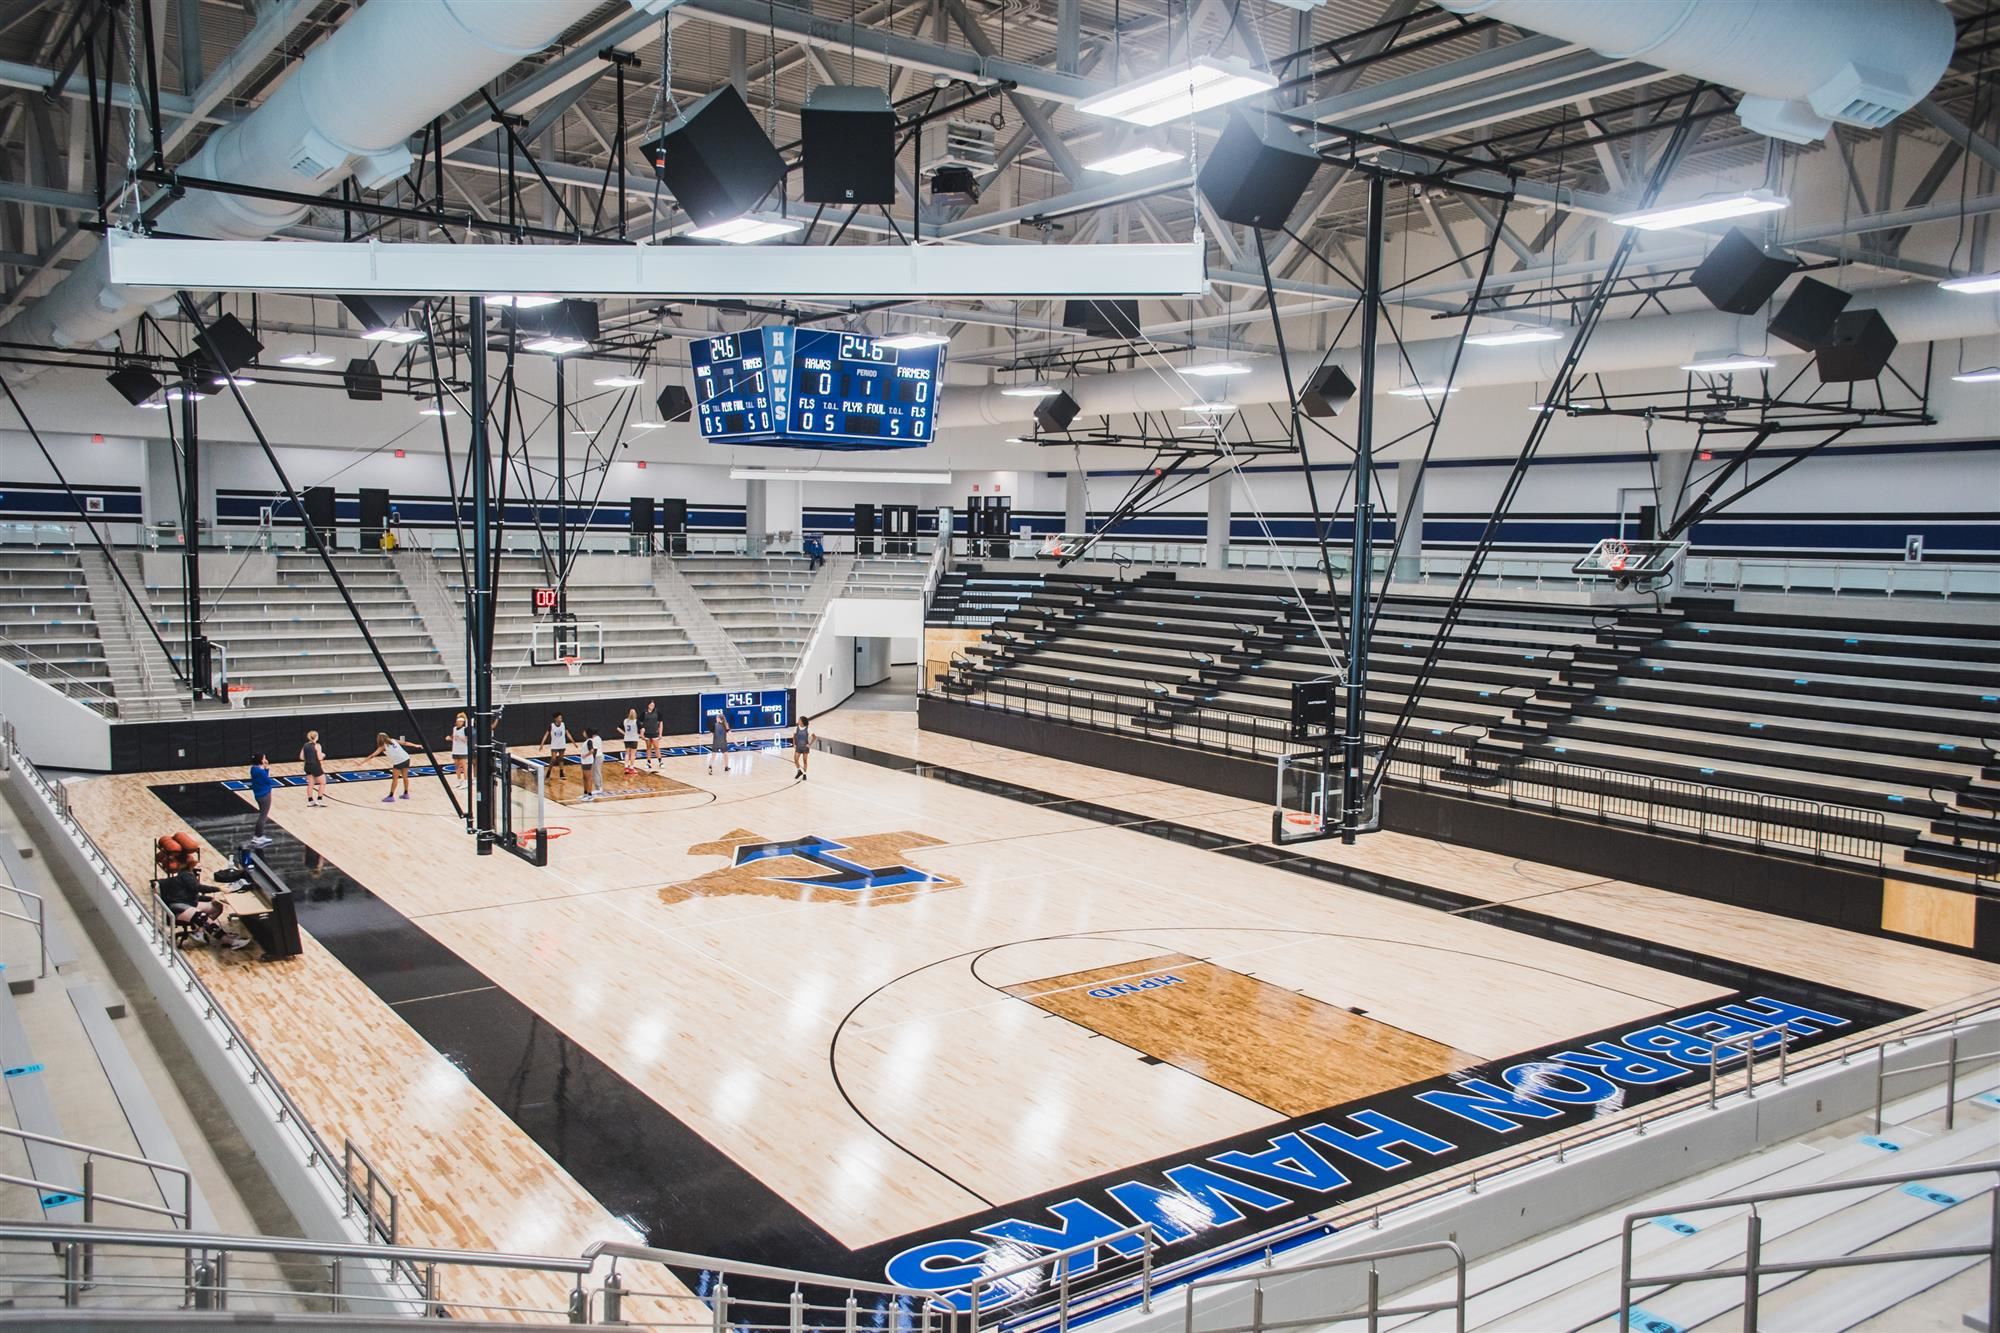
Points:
(815, 389)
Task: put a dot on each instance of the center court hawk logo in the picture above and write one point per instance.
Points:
(866, 868)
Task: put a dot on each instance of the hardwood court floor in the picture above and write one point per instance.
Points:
(871, 992)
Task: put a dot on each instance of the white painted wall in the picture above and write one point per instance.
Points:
(53, 729)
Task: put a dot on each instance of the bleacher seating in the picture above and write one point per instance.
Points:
(1899, 722)
(644, 647)
(47, 627)
(295, 643)
(887, 576)
(761, 602)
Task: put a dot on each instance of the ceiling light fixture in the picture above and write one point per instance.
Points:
(437, 410)
(1217, 368)
(394, 333)
(518, 302)
(1973, 285)
(910, 342)
(1723, 362)
(743, 231)
(1134, 160)
(1698, 211)
(306, 359)
(1174, 93)
(619, 382)
(555, 346)
(1989, 375)
(1526, 333)
(1423, 391)
(1212, 409)
(1029, 391)
(242, 382)
(647, 425)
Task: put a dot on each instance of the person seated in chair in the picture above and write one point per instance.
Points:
(196, 911)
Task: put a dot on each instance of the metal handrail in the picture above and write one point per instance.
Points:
(1748, 1040)
(93, 697)
(39, 921)
(1949, 1064)
(1373, 1312)
(91, 1196)
(1755, 1267)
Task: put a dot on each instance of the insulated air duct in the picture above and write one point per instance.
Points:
(346, 110)
(1922, 313)
(1799, 66)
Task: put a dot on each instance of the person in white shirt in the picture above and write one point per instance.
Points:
(556, 741)
(593, 764)
(629, 732)
(398, 757)
(461, 750)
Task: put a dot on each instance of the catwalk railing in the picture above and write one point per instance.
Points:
(1660, 805)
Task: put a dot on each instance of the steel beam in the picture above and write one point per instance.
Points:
(1031, 112)
(1472, 69)
(1978, 145)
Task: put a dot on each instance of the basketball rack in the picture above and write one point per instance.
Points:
(1630, 563)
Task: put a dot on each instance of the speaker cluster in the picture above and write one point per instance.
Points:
(1739, 278)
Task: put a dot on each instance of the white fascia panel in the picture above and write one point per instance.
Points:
(795, 271)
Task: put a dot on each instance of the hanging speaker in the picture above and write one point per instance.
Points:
(674, 404)
(1257, 172)
(1326, 392)
(1055, 412)
(136, 383)
(374, 311)
(848, 136)
(570, 318)
(363, 380)
(1806, 318)
(1103, 319)
(228, 344)
(1738, 277)
(715, 158)
(1857, 349)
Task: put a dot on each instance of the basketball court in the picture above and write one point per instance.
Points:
(942, 1001)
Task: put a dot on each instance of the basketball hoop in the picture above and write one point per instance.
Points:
(550, 833)
(574, 664)
(1305, 821)
(239, 695)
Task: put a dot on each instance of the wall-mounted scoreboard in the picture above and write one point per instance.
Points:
(815, 389)
(748, 710)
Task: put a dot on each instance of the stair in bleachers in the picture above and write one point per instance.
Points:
(47, 627)
(761, 602)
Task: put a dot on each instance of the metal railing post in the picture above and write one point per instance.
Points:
(1257, 1306)
(1881, 1072)
(1753, 1246)
(1951, 1080)
(1062, 1293)
(431, 1308)
(796, 1311)
(1374, 1298)
(718, 1307)
(221, 1280)
(1625, 1274)
(72, 1274)
(89, 1212)
(1993, 1260)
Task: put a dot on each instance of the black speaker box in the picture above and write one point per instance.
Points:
(641, 510)
(1257, 172)
(375, 311)
(1055, 412)
(228, 344)
(674, 404)
(1103, 319)
(136, 383)
(572, 318)
(715, 159)
(363, 380)
(1858, 348)
(1738, 277)
(848, 136)
(374, 515)
(1807, 317)
(319, 507)
(673, 515)
(1326, 392)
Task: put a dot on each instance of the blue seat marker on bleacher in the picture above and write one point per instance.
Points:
(58, 1200)
(1886, 1145)
(1676, 1225)
(18, 1070)
(1917, 1190)
(1988, 1099)
(1647, 1322)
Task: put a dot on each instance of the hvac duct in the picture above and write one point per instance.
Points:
(1918, 313)
(345, 110)
(1799, 66)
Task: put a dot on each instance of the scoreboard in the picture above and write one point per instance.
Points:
(815, 389)
(750, 710)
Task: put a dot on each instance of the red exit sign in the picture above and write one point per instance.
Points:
(545, 599)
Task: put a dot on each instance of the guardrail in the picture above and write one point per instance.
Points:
(26, 660)
(1666, 806)
(1755, 1267)
(1949, 1064)
(1374, 1311)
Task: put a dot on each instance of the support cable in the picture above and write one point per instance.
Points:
(76, 503)
(1593, 311)
(193, 314)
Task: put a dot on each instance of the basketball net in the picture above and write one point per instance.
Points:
(573, 664)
